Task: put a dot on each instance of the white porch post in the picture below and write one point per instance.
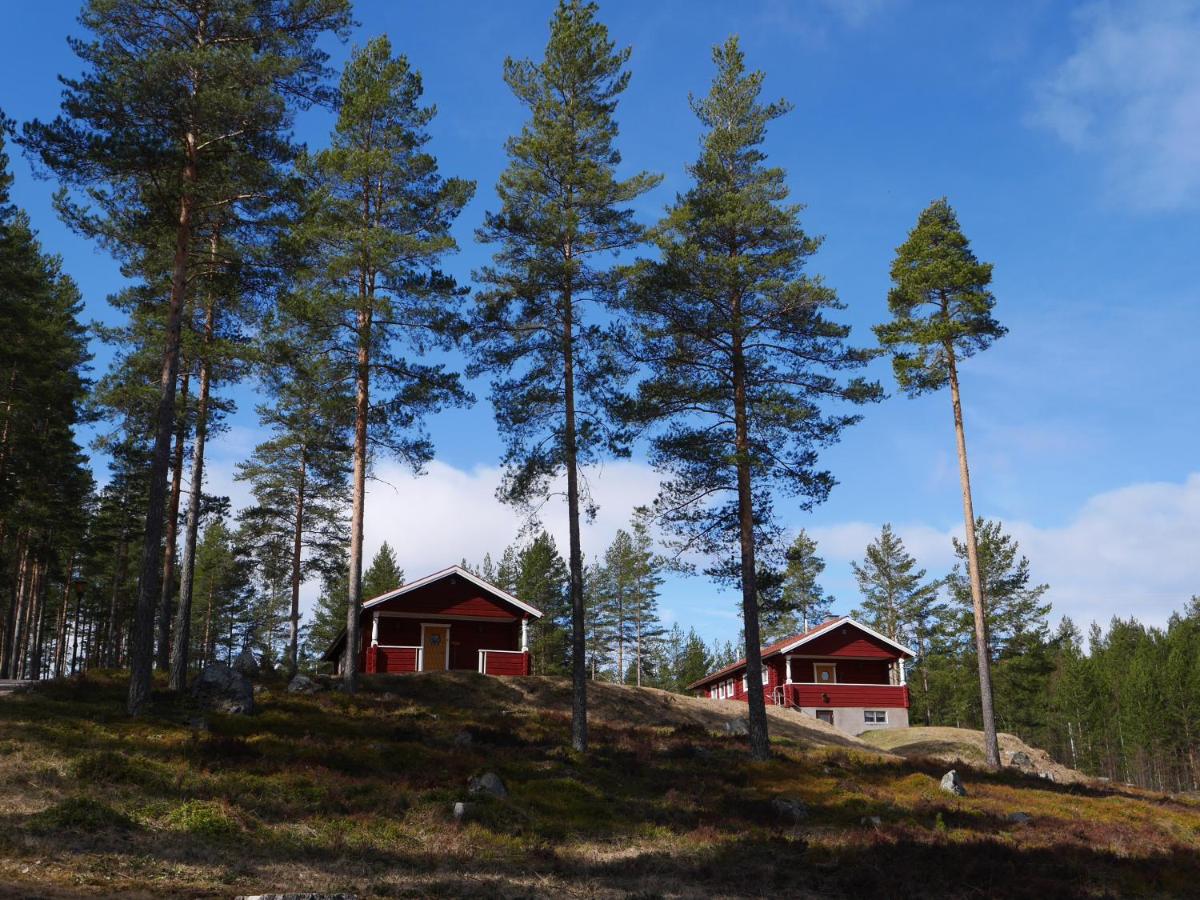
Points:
(524, 635)
(903, 674)
(787, 668)
(375, 630)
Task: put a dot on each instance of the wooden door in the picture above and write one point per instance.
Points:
(825, 673)
(435, 646)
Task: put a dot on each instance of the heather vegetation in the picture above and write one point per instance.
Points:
(355, 793)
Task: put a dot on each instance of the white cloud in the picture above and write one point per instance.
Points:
(1133, 551)
(1130, 93)
(436, 519)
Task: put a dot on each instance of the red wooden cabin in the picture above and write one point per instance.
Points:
(450, 620)
(841, 672)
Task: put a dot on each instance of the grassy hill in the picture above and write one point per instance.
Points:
(331, 792)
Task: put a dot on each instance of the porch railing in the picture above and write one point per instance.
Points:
(504, 662)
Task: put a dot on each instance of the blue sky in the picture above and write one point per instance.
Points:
(1066, 136)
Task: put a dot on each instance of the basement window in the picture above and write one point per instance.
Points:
(875, 716)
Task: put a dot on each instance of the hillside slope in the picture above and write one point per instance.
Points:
(611, 703)
(963, 745)
(337, 793)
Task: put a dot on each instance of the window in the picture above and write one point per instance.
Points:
(745, 683)
(875, 716)
(825, 715)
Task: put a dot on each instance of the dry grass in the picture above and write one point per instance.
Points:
(354, 793)
(962, 745)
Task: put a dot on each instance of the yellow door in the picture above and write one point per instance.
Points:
(435, 648)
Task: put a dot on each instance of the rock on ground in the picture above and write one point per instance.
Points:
(790, 808)
(487, 783)
(463, 811)
(302, 684)
(737, 727)
(246, 663)
(221, 688)
(1021, 760)
(952, 784)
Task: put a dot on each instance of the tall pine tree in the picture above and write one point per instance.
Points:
(563, 212)
(941, 309)
(740, 353)
(375, 229)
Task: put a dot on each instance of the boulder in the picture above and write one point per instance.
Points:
(739, 727)
(221, 688)
(791, 809)
(302, 895)
(952, 784)
(302, 684)
(875, 821)
(487, 783)
(1021, 760)
(1019, 818)
(463, 738)
(463, 811)
(246, 663)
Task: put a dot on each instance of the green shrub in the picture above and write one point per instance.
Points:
(79, 814)
(204, 818)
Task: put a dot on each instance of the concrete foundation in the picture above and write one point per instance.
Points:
(852, 719)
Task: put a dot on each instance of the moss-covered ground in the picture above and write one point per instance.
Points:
(333, 792)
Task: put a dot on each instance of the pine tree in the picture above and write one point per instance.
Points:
(1014, 618)
(45, 487)
(800, 602)
(739, 353)
(895, 594)
(541, 580)
(329, 613)
(376, 227)
(299, 475)
(165, 89)
(941, 314)
(384, 573)
(563, 211)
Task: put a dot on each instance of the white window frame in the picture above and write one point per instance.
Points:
(880, 713)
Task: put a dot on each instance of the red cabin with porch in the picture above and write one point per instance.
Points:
(450, 620)
(841, 672)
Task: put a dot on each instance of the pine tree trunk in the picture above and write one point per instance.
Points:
(208, 649)
(141, 649)
(60, 632)
(760, 740)
(297, 540)
(361, 407)
(183, 615)
(991, 746)
(75, 632)
(38, 622)
(8, 650)
(168, 584)
(579, 729)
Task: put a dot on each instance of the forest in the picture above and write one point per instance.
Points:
(316, 274)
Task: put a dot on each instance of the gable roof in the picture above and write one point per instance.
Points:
(791, 643)
(504, 596)
(462, 573)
